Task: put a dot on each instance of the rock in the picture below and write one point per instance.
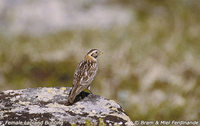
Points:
(47, 106)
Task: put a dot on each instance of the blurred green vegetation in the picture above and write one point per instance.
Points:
(150, 66)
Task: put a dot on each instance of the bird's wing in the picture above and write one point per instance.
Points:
(85, 73)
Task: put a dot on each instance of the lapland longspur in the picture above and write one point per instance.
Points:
(84, 74)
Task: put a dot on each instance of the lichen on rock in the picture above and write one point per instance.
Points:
(47, 106)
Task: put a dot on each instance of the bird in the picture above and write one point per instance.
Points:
(84, 74)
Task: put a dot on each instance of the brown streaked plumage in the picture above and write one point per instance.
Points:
(84, 74)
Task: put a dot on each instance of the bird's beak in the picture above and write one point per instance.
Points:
(100, 53)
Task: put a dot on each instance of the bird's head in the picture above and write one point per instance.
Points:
(93, 54)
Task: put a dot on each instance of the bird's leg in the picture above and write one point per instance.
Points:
(89, 90)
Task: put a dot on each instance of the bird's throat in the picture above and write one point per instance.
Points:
(90, 58)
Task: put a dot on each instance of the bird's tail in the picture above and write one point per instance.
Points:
(72, 95)
(74, 92)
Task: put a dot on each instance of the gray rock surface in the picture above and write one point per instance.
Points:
(47, 106)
